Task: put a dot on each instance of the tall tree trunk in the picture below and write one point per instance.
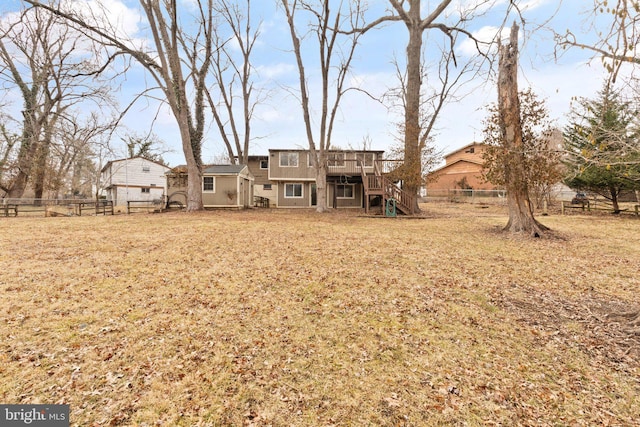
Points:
(18, 185)
(194, 166)
(28, 149)
(521, 217)
(614, 199)
(412, 163)
(321, 187)
(40, 166)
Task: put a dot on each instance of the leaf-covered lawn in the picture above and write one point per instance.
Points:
(275, 317)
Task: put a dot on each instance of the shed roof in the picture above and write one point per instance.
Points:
(212, 169)
(223, 169)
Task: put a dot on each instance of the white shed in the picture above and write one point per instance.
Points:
(133, 179)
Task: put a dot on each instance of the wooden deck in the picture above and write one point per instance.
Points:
(378, 184)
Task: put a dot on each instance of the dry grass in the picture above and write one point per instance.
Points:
(294, 318)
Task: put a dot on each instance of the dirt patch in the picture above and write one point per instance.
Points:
(599, 325)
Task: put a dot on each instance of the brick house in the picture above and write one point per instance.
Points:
(462, 170)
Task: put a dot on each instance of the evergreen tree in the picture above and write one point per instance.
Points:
(603, 146)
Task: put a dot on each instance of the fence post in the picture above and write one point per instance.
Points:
(562, 207)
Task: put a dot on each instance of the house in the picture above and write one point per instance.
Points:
(293, 177)
(264, 191)
(355, 179)
(133, 179)
(223, 186)
(462, 170)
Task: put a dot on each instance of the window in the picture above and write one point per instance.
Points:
(344, 191)
(292, 191)
(209, 184)
(145, 190)
(365, 158)
(264, 164)
(470, 150)
(146, 169)
(289, 160)
(336, 159)
(266, 187)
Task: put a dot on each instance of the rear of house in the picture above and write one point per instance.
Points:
(292, 177)
(264, 191)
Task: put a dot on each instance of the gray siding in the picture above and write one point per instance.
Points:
(341, 202)
(226, 192)
(295, 202)
(302, 171)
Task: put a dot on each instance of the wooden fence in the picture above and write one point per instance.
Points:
(144, 206)
(54, 207)
(589, 206)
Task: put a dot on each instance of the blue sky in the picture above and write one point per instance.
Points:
(278, 122)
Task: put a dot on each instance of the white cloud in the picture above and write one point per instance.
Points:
(274, 71)
(532, 5)
(486, 37)
(112, 13)
(483, 6)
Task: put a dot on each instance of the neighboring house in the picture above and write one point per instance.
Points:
(292, 178)
(223, 186)
(462, 170)
(133, 179)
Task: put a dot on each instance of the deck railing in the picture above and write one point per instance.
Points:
(356, 166)
(347, 167)
(404, 199)
(380, 184)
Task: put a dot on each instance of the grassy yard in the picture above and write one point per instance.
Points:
(294, 318)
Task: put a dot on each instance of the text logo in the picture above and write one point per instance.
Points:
(34, 415)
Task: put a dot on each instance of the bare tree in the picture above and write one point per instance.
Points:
(441, 83)
(416, 130)
(179, 63)
(29, 37)
(76, 159)
(234, 79)
(617, 24)
(336, 46)
(50, 67)
(8, 142)
(521, 219)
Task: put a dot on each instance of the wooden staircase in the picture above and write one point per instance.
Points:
(379, 184)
